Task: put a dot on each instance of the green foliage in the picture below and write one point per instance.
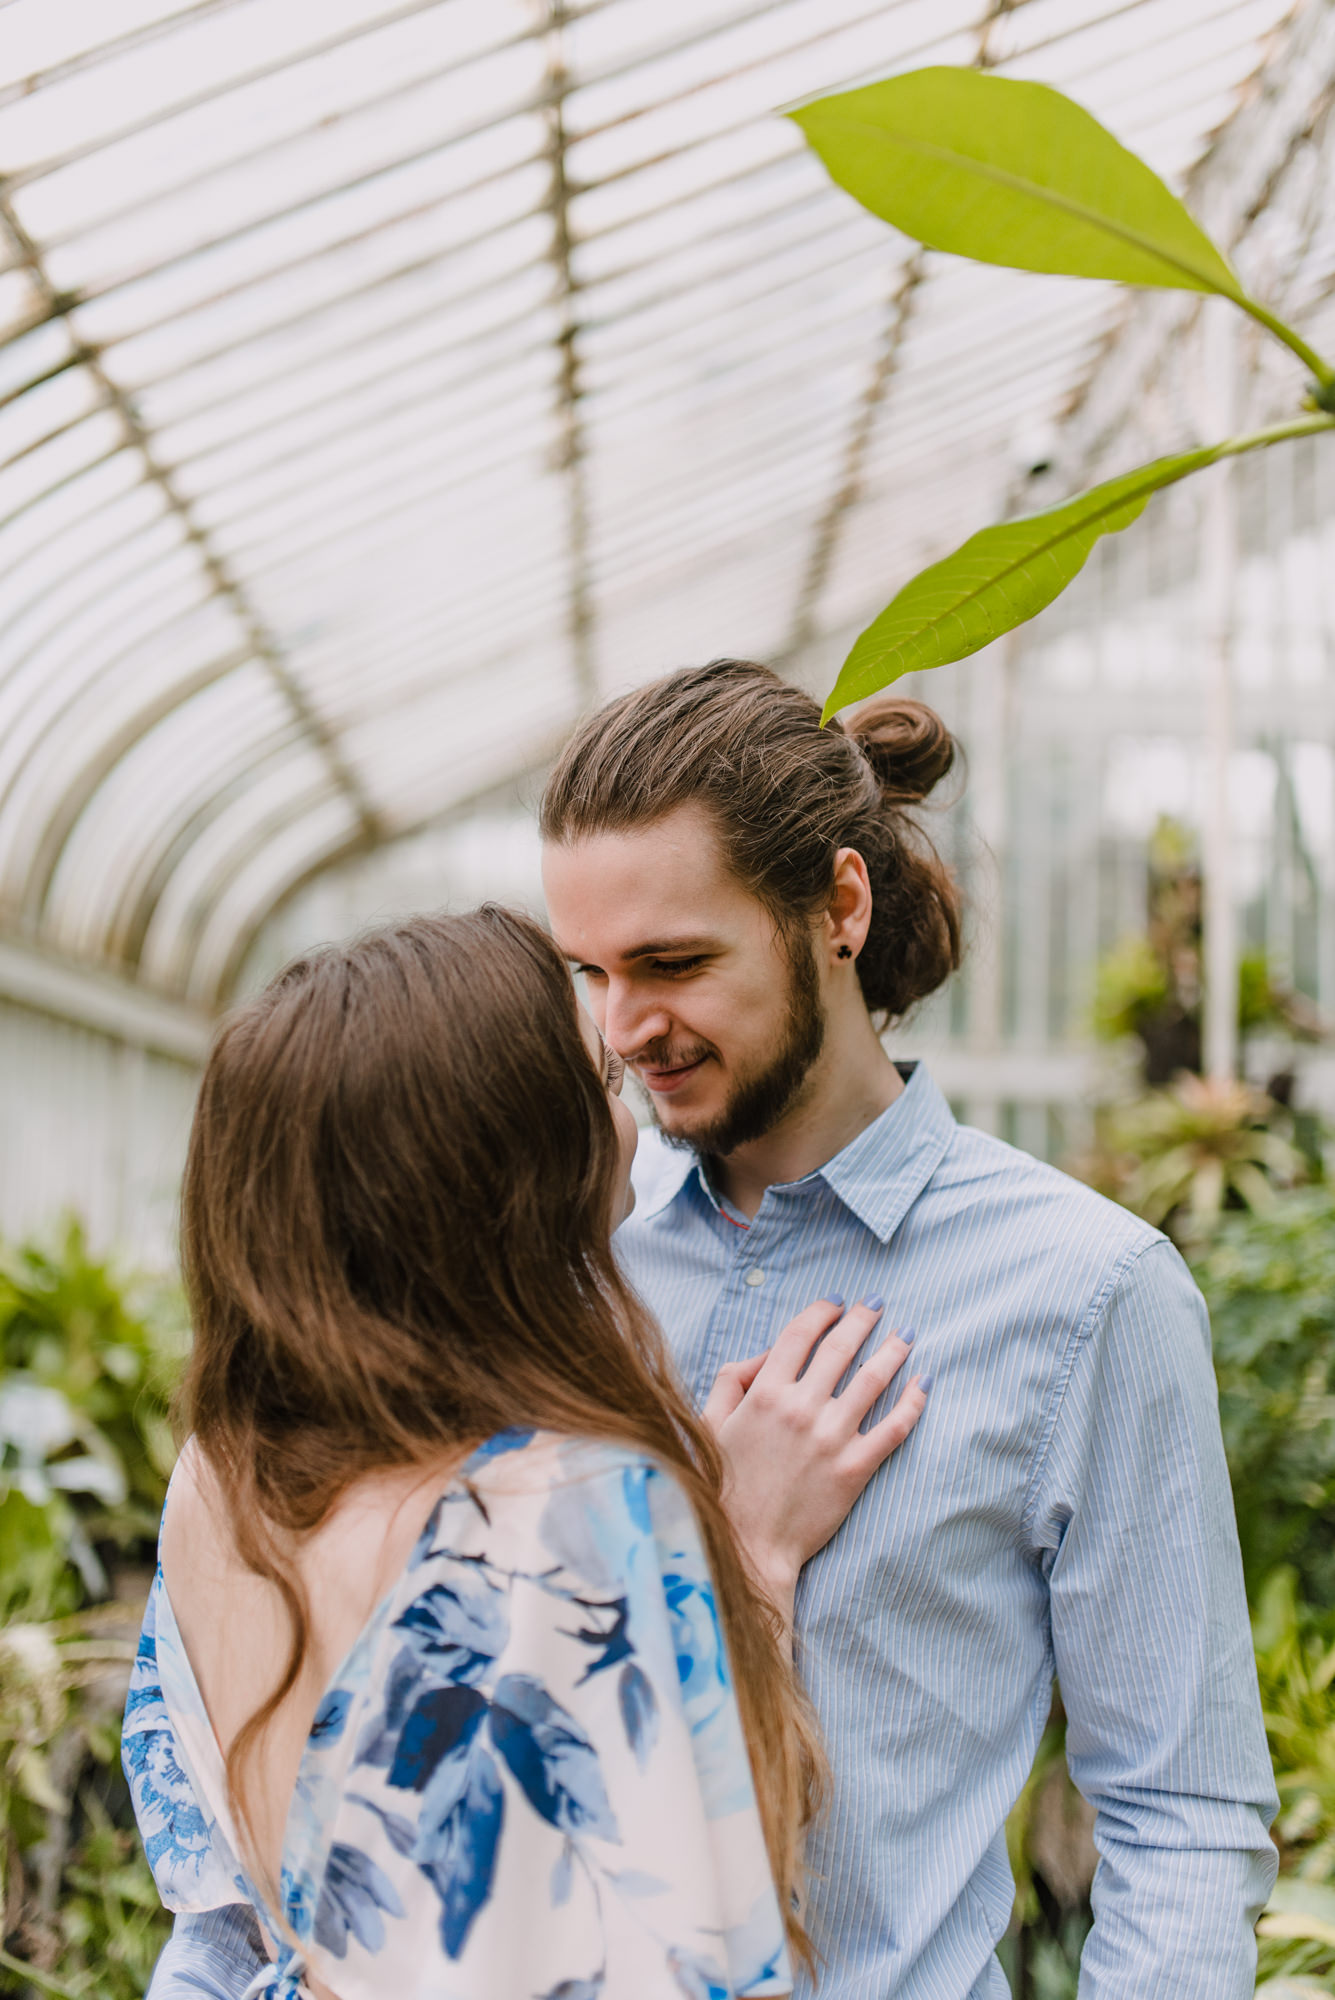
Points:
(1009, 172)
(1295, 1659)
(85, 1452)
(1295, 1664)
(1014, 173)
(1269, 1281)
(1051, 1756)
(83, 1915)
(85, 1443)
(999, 578)
(1296, 1939)
(1131, 986)
(1261, 1004)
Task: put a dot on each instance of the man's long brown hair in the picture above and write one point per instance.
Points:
(785, 795)
(396, 1232)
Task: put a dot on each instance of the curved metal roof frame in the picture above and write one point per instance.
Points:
(372, 407)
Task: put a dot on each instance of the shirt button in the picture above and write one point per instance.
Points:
(755, 1276)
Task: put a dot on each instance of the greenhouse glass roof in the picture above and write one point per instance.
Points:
(381, 384)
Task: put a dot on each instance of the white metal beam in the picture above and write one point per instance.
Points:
(92, 998)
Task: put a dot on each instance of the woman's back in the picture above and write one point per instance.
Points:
(235, 1627)
(513, 1763)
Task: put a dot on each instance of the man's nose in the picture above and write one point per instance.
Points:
(632, 1020)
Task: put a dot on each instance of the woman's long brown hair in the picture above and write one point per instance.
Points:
(396, 1232)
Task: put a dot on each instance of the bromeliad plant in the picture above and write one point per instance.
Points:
(1201, 1145)
(1014, 173)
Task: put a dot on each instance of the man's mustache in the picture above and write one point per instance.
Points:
(663, 1055)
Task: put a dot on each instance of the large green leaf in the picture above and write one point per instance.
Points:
(1013, 173)
(999, 578)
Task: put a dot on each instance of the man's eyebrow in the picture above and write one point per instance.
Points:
(658, 948)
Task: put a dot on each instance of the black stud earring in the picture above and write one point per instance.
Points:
(843, 952)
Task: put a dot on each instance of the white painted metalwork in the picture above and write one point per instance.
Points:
(384, 382)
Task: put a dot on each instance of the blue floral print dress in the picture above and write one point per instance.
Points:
(528, 1780)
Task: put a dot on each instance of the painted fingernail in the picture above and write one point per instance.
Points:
(834, 1298)
(925, 1384)
(875, 1303)
(908, 1336)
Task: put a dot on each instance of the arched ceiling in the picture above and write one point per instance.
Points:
(380, 384)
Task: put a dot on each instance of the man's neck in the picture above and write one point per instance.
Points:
(851, 1084)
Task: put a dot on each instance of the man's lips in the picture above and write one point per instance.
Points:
(662, 1082)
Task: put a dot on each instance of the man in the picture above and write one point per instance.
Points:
(747, 896)
(743, 892)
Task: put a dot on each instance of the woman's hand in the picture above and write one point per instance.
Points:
(795, 1457)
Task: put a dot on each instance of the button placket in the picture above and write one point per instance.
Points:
(737, 1328)
(752, 1253)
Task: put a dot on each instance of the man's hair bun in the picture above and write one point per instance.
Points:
(906, 743)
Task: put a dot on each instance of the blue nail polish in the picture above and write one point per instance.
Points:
(925, 1384)
(908, 1336)
(834, 1298)
(875, 1303)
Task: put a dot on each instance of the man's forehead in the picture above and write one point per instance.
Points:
(639, 894)
(603, 919)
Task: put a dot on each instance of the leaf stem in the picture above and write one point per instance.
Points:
(1295, 427)
(1323, 371)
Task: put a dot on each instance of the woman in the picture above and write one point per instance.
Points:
(453, 1670)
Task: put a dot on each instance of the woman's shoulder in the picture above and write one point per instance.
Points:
(538, 1498)
(539, 1463)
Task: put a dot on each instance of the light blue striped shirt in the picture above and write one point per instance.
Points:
(1063, 1507)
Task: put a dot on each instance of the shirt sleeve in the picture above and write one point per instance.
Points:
(210, 1955)
(1133, 1517)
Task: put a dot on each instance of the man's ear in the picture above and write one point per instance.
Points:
(848, 918)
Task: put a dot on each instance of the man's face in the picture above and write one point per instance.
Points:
(719, 1017)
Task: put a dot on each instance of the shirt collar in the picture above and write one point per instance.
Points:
(878, 1176)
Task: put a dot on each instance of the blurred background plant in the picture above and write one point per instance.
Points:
(1150, 986)
(1183, 1148)
(89, 1358)
(1295, 1658)
(1270, 1283)
(1181, 1155)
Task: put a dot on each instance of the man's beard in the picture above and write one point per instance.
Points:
(761, 1100)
